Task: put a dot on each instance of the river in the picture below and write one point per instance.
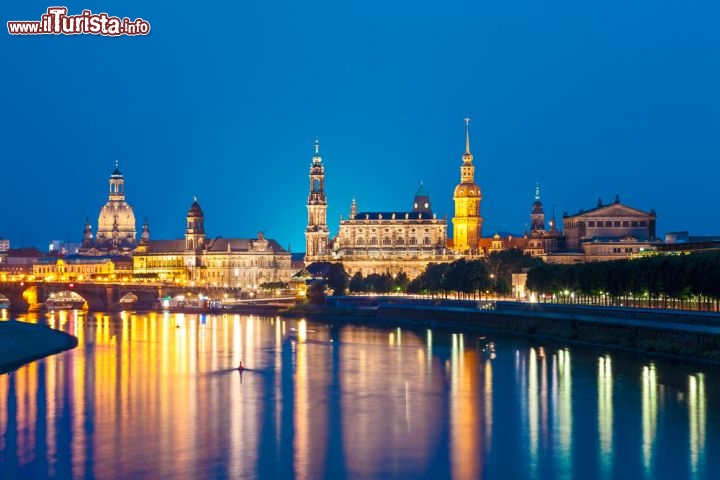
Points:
(159, 396)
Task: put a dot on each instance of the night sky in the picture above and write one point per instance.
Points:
(591, 99)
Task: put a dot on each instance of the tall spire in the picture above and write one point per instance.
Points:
(537, 191)
(467, 134)
(317, 145)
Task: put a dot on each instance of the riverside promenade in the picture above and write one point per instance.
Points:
(22, 342)
(681, 333)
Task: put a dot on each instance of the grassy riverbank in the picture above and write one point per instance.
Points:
(22, 342)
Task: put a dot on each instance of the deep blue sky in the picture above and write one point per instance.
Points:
(591, 99)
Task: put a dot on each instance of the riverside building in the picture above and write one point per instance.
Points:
(245, 263)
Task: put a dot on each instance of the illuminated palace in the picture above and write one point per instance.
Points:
(116, 233)
(219, 262)
(375, 242)
(393, 242)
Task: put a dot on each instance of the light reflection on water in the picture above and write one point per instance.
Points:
(158, 395)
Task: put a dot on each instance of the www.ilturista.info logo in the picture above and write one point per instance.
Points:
(57, 22)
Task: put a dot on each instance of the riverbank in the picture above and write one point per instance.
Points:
(22, 342)
(691, 335)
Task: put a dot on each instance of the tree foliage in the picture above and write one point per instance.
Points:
(674, 277)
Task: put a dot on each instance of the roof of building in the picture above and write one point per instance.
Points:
(213, 245)
(195, 209)
(389, 216)
(89, 259)
(421, 192)
(24, 252)
(611, 206)
(166, 246)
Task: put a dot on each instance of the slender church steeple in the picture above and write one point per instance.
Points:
(353, 209)
(467, 222)
(537, 215)
(317, 233)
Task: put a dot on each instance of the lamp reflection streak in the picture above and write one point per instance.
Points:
(532, 405)
(605, 413)
(696, 421)
(464, 412)
(649, 416)
(562, 411)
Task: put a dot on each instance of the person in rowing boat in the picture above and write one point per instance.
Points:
(241, 367)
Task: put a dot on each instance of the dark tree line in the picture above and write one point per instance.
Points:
(471, 278)
(659, 281)
(377, 283)
(462, 277)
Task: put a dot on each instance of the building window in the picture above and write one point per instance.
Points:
(400, 241)
(413, 241)
(386, 241)
(426, 241)
(373, 241)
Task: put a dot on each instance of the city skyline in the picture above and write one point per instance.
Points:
(588, 101)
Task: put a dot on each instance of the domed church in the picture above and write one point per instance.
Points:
(116, 232)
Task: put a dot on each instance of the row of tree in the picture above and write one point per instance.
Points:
(376, 283)
(662, 279)
(472, 278)
(463, 277)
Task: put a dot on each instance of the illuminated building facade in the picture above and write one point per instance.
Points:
(467, 222)
(219, 262)
(607, 232)
(83, 267)
(116, 234)
(392, 242)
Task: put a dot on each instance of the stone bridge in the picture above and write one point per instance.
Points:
(31, 296)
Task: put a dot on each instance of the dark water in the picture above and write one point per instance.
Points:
(157, 396)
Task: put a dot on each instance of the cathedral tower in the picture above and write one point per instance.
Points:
(467, 222)
(316, 233)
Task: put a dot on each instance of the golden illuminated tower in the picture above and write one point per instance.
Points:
(467, 222)
(316, 233)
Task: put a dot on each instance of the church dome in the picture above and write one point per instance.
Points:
(120, 212)
(195, 210)
(116, 222)
(467, 190)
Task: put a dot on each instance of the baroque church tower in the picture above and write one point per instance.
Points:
(316, 233)
(195, 231)
(467, 222)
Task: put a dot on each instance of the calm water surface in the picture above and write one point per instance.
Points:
(157, 396)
